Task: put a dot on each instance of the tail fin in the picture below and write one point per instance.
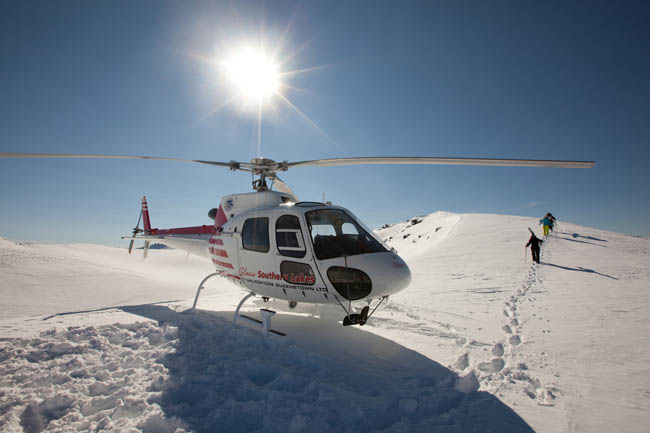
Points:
(145, 216)
(221, 218)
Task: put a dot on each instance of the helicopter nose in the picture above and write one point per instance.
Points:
(387, 272)
(399, 279)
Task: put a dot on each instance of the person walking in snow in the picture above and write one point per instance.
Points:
(534, 242)
(552, 219)
(547, 224)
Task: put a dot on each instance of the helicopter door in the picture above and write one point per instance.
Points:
(295, 263)
(255, 262)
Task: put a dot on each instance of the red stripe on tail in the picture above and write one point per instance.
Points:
(145, 216)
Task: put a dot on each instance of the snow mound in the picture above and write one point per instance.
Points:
(83, 379)
(202, 373)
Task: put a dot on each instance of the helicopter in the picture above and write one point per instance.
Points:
(275, 246)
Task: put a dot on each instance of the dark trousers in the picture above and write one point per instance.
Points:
(535, 254)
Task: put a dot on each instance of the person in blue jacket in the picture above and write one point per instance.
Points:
(547, 224)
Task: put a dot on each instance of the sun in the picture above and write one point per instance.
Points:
(254, 75)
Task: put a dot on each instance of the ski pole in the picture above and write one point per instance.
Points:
(525, 253)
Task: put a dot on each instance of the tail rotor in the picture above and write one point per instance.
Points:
(136, 230)
(145, 230)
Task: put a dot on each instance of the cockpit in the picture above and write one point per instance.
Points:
(336, 234)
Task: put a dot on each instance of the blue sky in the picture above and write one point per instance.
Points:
(511, 79)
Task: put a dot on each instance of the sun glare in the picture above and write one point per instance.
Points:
(253, 74)
(255, 80)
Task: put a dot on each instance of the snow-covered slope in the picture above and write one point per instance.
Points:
(49, 279)
(566, 342)
(96, 340)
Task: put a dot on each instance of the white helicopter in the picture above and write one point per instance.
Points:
(277, 247)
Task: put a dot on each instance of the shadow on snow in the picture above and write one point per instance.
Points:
(579, 269)
(321, 378)
(582, 242)
(576, 235)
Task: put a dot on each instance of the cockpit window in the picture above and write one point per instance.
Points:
(349, 229)
(336, 234)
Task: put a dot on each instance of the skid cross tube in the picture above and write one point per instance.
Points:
(234, 319)
(264, 324)
(198, 291)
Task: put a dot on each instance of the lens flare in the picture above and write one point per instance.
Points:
(254, 75)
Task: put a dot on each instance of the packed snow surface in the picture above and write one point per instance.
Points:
(482, 341)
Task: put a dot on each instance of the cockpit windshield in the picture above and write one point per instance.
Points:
(336, 234)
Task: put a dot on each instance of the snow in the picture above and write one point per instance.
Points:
(93, 339)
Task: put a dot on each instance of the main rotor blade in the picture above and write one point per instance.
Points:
(279, 185)
(100, 156)
(443, 161)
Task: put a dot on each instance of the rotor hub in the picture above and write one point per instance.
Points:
(265, 167)
(262, 162)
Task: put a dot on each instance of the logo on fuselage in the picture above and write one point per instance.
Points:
(301, 278)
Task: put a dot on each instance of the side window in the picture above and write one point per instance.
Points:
(297, 273)
(288, 236)
(255, 234)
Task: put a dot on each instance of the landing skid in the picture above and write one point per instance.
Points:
(264, 324)
(357, 319)
(198, 291)
(360, 318)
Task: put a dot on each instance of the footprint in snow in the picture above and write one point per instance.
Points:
(462, 362)
(493, 366)
(497, 350)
